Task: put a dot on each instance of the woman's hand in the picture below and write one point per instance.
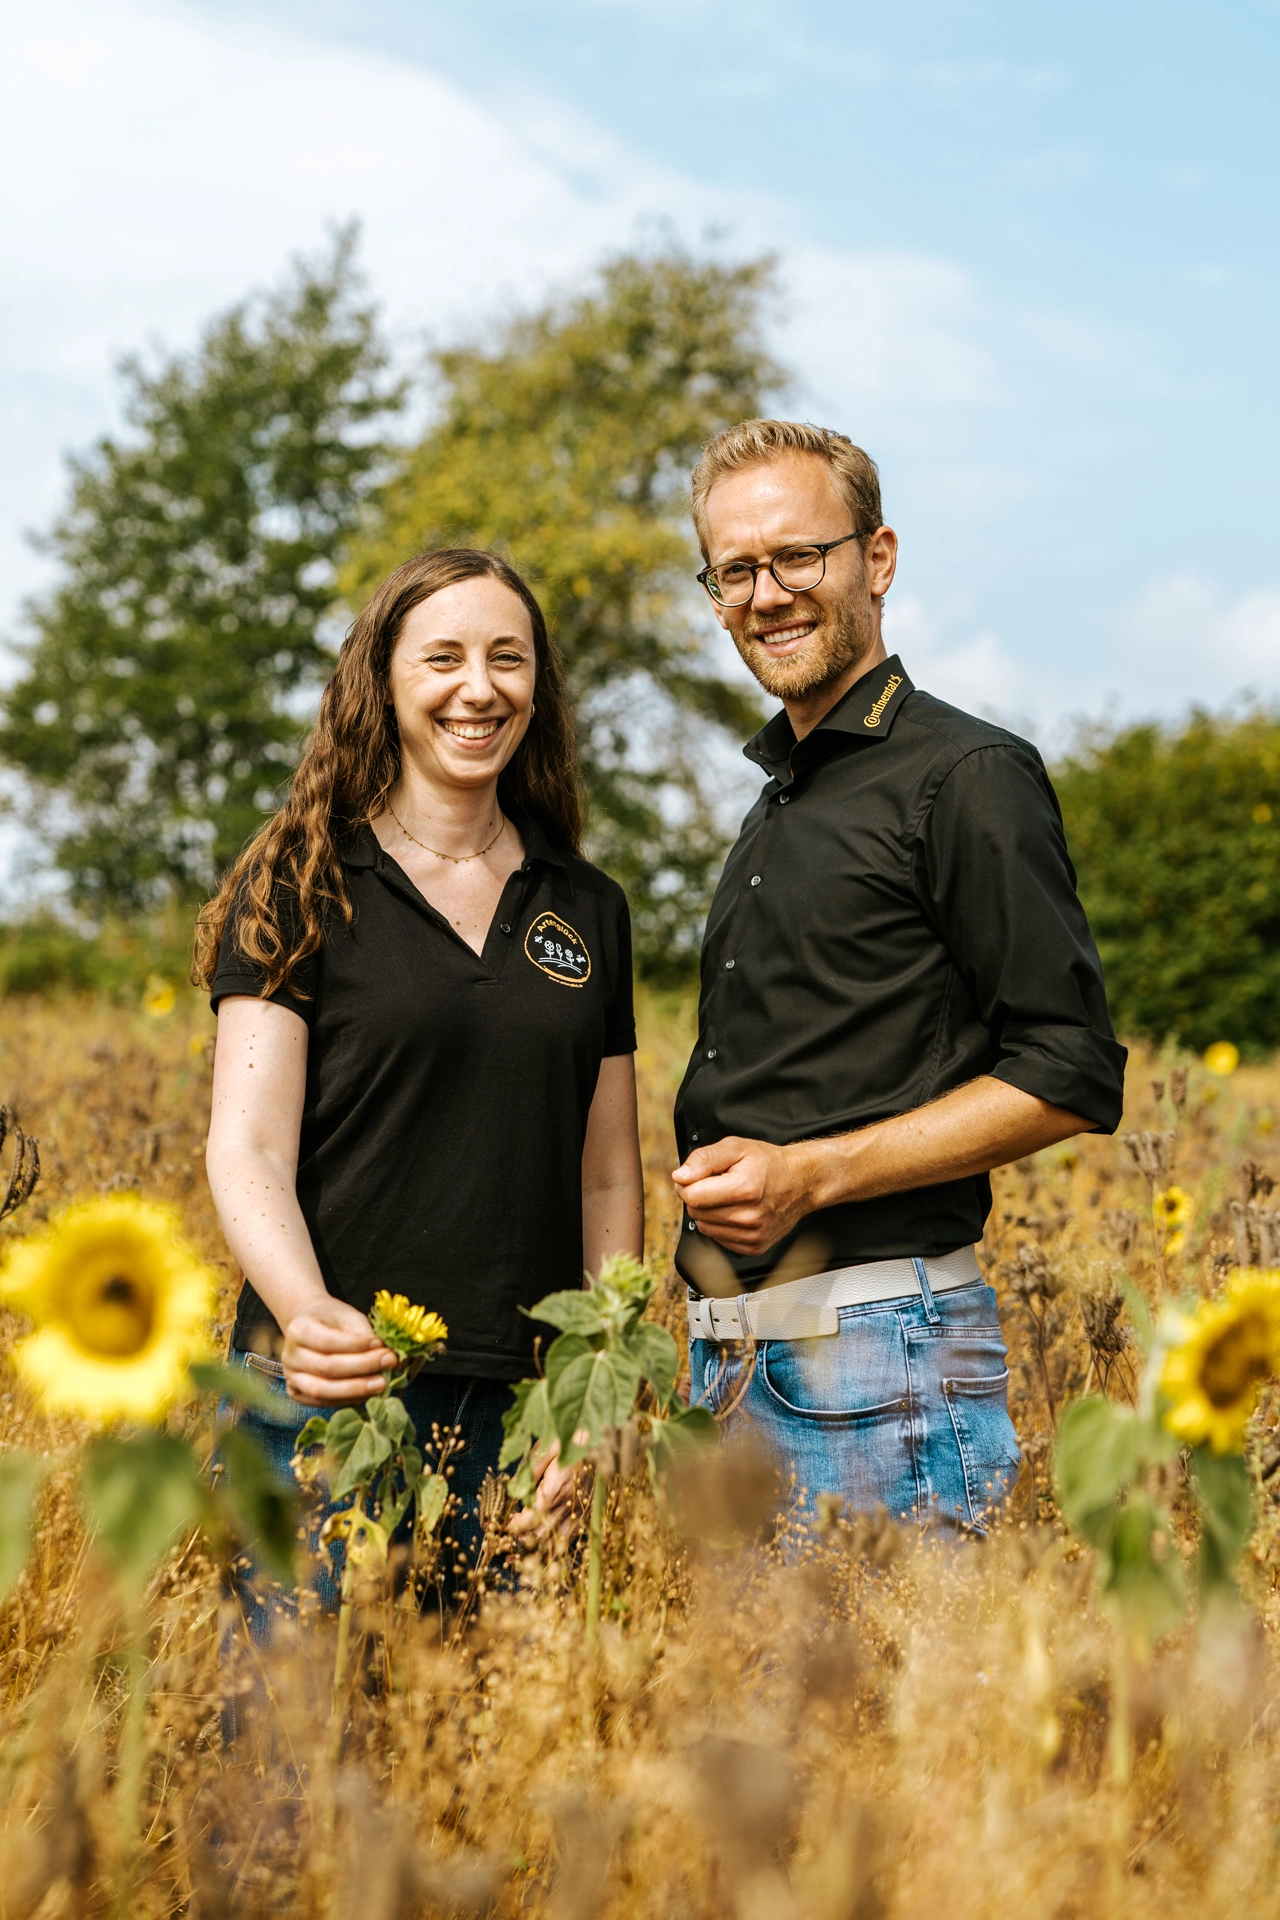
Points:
(332, 1356)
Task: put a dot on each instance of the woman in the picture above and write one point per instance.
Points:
(424, 1076)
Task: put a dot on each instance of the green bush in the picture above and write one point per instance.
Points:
(46, 955)
(1176, 837)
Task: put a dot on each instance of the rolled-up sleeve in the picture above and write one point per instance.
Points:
(992, 870)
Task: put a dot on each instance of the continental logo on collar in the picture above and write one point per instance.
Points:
(876, 714)
(552, 945)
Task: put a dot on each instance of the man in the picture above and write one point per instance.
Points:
(899, 992)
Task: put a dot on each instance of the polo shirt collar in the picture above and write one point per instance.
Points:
(866, 713)
(361, 848)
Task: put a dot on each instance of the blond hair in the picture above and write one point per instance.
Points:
(752, 443)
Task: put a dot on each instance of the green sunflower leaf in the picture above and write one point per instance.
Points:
(260, 1503)
(367, 1454)
(573, 1312)
(140, 1495)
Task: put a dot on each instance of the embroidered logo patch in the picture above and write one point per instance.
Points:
(876, 714)
(552, 944)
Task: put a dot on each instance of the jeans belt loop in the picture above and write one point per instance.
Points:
(931, 1313)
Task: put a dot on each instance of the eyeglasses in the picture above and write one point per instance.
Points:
(795, 569)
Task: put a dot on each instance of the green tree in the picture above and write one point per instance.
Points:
(1176, 834)
(565, 440)
(172, 666)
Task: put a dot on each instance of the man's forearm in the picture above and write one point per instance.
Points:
(982, 1125)
(747, 1194)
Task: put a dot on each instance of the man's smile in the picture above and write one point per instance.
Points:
(781, 640)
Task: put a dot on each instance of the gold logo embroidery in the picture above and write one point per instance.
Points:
(876, 714)
(558, 951)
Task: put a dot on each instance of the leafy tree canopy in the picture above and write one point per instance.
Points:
(1176, 834)
(565, 440)
(171, 666)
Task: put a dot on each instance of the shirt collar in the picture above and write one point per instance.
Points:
(867, 712)
(361, 848)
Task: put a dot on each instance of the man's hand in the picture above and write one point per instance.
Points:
(745, 1194)
(332, 1356)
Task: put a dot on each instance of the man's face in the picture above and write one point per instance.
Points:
(797, 644)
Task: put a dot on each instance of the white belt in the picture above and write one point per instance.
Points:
(806, 1309)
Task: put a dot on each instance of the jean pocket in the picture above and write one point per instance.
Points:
(291, 1415)
(861, 1375)
(715, 1372)
(989, 1452)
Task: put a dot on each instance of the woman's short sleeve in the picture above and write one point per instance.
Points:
(620, 1019)
(237, 973)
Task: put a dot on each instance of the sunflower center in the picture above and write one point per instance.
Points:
(1236, 1362)
(113, 1318)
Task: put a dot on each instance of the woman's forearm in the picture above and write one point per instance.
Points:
(612, 1221)
(262, 1223)
(612, 1176)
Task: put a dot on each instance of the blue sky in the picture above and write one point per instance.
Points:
(1029, 257)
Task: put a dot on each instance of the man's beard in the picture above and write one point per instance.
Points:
(845, 634)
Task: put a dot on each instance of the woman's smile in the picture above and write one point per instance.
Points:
(477, 731)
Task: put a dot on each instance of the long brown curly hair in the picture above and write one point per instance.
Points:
(351, 763)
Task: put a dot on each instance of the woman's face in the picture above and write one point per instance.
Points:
(461, 682)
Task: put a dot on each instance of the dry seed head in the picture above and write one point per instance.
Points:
(495, 1502)
(1152, 1154)
(25, 1170)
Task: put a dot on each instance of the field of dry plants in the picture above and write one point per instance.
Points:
(866, 1725)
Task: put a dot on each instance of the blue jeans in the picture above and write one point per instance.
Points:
(906, 1407)
(444, 1401)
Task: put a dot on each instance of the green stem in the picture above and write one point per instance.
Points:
(131, 1757)
(344, 1629)
(595, 1555)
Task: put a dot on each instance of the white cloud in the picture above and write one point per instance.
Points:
(1183, 640)
(971, 670)
(160, 161)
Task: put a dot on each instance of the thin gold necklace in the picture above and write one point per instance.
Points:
(455, 859)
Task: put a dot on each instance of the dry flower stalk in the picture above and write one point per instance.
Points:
(840, 1723)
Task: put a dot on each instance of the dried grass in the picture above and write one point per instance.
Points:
(852, 1724)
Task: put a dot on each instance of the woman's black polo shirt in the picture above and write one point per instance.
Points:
(448, 1092)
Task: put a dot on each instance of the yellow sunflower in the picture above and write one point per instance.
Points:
(160, 998)
(406, 1329)
(120, 1303)
(1225, 1350)
(1222, 1058)
(1172, 1208)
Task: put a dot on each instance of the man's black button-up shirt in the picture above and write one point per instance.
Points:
(898, 916)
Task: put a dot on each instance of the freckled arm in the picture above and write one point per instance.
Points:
(259, 1083)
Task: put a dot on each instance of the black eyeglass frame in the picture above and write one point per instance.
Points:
(823, 547)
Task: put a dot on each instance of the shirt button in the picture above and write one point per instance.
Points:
(694, 1134)
(755, 879)
(506, 926)
(729, 965)
(711, 1053)
(783, 799)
